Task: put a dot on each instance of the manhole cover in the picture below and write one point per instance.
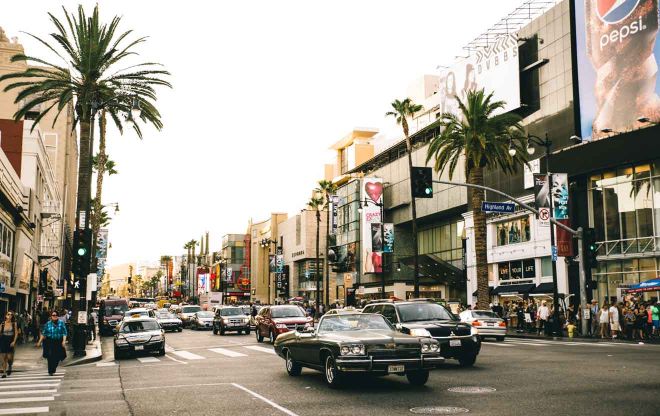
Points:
(471, 389)
(438, 410)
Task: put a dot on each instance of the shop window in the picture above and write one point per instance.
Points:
(513, 232)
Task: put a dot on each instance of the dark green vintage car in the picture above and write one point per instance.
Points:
(366, 343)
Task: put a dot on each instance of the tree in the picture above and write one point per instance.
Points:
(316, 204)
(327, 188)
(402, 110)
(485, 140)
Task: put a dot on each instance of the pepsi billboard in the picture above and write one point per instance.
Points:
(617, 65)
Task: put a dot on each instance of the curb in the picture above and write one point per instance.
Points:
(93, 353)
(582, 339)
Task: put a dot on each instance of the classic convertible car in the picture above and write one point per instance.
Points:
(357, 342)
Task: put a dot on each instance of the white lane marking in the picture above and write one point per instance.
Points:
(145, 360)
(27, 399)
(260, 397)
(261, 349)
(168, 348)
(23, 410)
(228, 353)
(106, 364)
(21, 375)
(13, 393)
(536, 344)
(45, 378)
(188, 355)
(498, 345)
(27, 386)
(174, 359)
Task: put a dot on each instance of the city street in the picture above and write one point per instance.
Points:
(206, 374)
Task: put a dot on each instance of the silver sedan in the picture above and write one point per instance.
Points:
(488, 323)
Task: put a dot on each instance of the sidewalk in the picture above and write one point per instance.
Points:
(28, 357)
(511, 333)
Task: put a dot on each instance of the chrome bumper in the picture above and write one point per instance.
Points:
(381, 364)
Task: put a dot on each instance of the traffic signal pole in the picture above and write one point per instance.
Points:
(579, 234)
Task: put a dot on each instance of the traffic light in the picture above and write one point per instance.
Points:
(422, 182)
(82, 244)
(590, 248)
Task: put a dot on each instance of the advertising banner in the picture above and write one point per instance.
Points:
(279, 263)
(560, 195)
(617, 65)
(541, 191)
(388, 239)
(371, 257)
(494, 68)
(101, 253)
(271, 261)
(564, 240)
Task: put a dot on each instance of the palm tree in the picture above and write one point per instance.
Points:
(91, 74)
(327, 189)
(316, 204)
(485, 140)
(402, 110)
(192, 244)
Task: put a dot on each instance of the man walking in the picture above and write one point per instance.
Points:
(594, 325)
(615, 325)
(543, 314)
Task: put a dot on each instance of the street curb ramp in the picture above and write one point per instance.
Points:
(93, 353)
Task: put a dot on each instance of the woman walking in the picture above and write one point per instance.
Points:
(8, 336)
(604, 319)
(54, 334)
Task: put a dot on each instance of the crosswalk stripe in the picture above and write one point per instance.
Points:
(27, 386)
(106, 364)
(27, 399)
(261, 349)
(228, 353)
(188, 355)
(168, 348)
(23, 410)
(48, 380)
(4, 380)
(19, 375)
(13, 393)
(145, 360)
(498, 345)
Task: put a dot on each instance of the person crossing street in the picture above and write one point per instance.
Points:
(54, 334)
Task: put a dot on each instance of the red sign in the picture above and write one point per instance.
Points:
(212, 276)
(564, 240)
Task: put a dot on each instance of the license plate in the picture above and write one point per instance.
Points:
(490, 324)
(139, 347)
(454, 342)
(395, 368)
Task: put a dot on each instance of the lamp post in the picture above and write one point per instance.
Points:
(364, 204)
(265, 243)
(545, 142)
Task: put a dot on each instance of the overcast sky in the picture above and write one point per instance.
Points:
(261, 90)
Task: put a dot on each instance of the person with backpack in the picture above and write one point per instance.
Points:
(8, 337)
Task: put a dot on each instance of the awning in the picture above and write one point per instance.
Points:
(647, 286)
(543, 289)
(513, 289)
(490, 291)
(433, 266)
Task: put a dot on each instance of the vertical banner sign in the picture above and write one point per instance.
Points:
(617, 65)
(388, 238)
(560, 195)
(334, 199)
(279, 263)
(372, 192)
(271, 262)
(101, 254)
(542, 198)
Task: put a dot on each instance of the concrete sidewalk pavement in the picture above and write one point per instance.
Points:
(28, 357)
(511, 333)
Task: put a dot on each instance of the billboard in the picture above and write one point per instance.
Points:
(494, 68)
(371, 254)
(617, 65)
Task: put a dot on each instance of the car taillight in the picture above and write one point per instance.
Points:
(476, 323)
(502, 324)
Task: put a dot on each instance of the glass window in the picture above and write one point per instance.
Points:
(546, 266)
(389, 313)
(514, 231)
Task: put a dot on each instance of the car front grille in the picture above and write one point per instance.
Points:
(235, 321)
(381, 351)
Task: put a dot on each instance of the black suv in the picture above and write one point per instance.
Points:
(425, 318)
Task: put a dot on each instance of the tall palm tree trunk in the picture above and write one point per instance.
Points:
(100, 172)
(476, 177)
(327, 244)
(316, 274)
(414, 220)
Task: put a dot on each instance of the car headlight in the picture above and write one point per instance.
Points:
(158, 337)
(225, 320)
(435, 347)
(420, 332)
(352, 349)
(121, 341)
(280, 326)
(245, 320)
(426, 348)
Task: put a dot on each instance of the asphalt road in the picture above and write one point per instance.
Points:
(204, 374)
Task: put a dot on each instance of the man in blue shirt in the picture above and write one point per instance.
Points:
(54, 334)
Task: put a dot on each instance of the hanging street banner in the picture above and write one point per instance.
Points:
(388, 238)
(101, 254)
(503, 207)
(372, 193)
(279, 263)
(564, 240)
(334, 200)
(560, 195)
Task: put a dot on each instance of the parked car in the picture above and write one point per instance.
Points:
(137, 335)
(168, 321)
(201, 320)
(111, 312)
(357, 342)
(186, 312)
(425, 318)
(231, 318)
(487, 322)
(278, 319)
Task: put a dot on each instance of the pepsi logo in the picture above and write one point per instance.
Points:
(614, 11)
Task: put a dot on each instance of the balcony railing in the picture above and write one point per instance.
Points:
(642, 246)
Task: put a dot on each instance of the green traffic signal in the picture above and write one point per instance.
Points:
(428, 191)
(82, 251)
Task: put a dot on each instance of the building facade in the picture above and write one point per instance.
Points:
(263, 245)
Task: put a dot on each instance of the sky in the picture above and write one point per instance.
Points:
(261, 90)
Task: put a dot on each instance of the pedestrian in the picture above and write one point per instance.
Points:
(542, 316)
(520, 315)
(593, 324)
(54, 334)
(615, 325)
(629, 322)
(604, 319)
(570, 328)
(8, 337)
(640, 322)
(655, 318)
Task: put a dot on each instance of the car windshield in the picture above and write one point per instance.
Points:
(205, 314)
(134, 312)
(424, 312)
(115, 310)
(484, 314)
(353, 322)
(231, 312)
(287, 312)
(165, 315)
(191, 309)
(139, 326)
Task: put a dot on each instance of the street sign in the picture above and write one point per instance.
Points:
(544, 217)
(554, 253)
(82, 317)
(497, 206)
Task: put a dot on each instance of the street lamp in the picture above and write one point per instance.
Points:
(265, 243)
(364, 204)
